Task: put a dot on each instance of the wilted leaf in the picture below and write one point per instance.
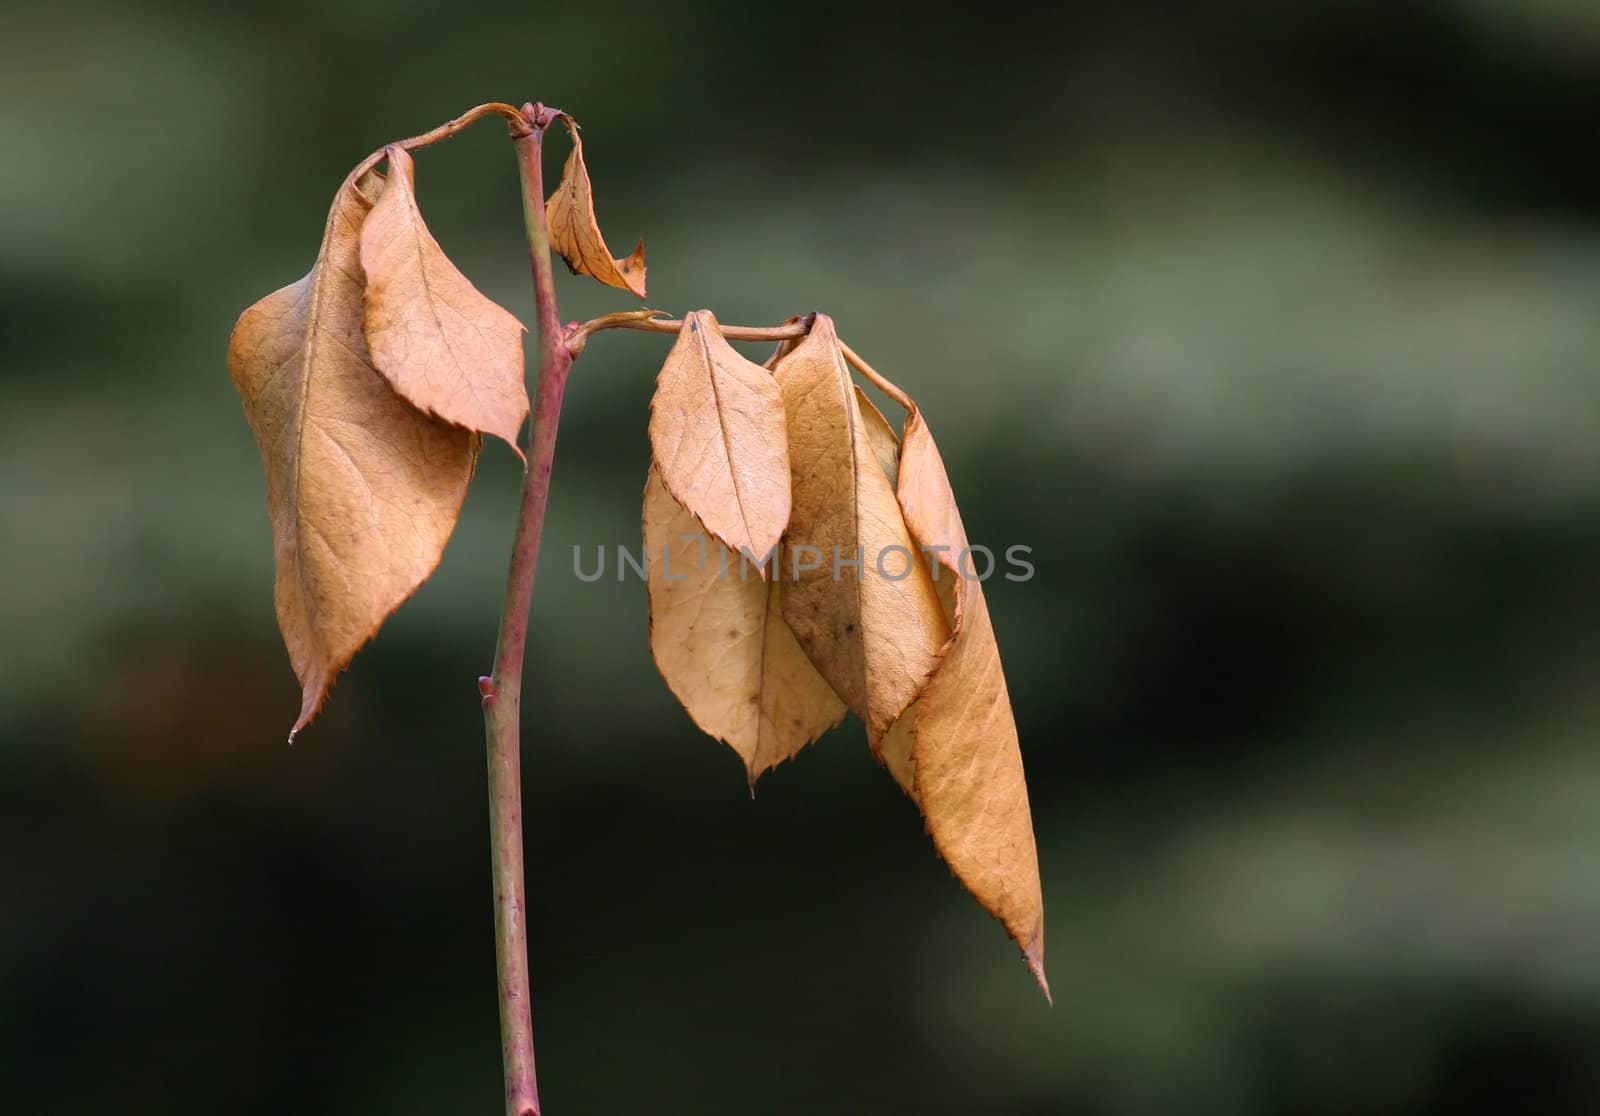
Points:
(575, 233)
(441, 343)
(721, 643)
(867, 613)
(717, 432)
(363, 489)
(955, 751)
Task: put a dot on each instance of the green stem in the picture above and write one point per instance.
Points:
(502, 691)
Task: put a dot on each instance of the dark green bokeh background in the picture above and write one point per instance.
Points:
(1272, 328)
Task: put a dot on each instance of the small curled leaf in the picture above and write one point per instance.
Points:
(575, 232)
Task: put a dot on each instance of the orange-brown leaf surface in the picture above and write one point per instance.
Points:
(717, 434)
(575, 233)
(443, 345)
(874, 628)
(882, 441)
(721, 643)
(955, 751)
(363, 489)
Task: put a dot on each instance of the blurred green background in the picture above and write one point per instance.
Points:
(1271, 328)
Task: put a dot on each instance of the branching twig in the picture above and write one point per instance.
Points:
(652, 321)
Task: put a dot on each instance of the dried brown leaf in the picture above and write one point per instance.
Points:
(955, 751)
(883, 442)
(720, 641)
(717, 432)
(443, 345)
(363, 489)
(874, 628)
(575, 233)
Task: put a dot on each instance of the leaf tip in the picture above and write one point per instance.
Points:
(1034, 955)
(315, 692)
(633, 271)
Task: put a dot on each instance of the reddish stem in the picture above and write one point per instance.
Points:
(502, 691)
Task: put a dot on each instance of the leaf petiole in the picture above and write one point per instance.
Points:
(878, 379)
(514, 118)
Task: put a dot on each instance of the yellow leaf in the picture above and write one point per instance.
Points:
(575, 233)
(866, 611)
(721, 643)
(363, 489)
(955, 751)
(717, 433)
(443, 345)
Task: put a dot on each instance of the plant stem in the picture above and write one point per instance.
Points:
(502, 691)
(651, 321)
